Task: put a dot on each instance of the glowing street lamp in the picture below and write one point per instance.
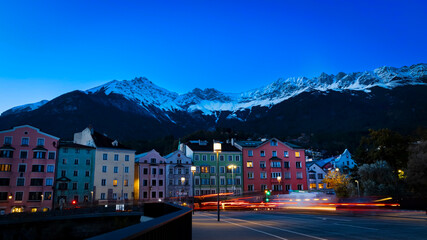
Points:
(279, 178)
(182, 183)
(193, 170)
(217, 150)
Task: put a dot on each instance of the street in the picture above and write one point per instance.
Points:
(291, 225)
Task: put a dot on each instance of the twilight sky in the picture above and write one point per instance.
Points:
(48, 48)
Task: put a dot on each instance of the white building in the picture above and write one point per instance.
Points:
(315, 176)
(178, 168)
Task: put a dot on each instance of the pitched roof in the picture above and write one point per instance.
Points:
(255, 144)
(208, 147)
(106, 142)
(323, 162)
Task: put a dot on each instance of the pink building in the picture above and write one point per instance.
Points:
(150, 176)
(27, 169)
(273, 165)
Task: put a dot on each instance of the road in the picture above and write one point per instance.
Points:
(275, 225)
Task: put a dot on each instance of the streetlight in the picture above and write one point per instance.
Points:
(279, 178)
(358, 190)
(217, 150)
(182, 183)
(232, 167)
(193, 170)
(337, 169)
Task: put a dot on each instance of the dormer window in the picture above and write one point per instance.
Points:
(153, 160)
(7, 140)
(115, 143)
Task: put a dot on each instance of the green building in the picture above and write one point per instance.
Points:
(74, 174)
(205, 160)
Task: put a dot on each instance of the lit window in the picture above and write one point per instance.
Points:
(115, 182)
(249, 164)
(204, 169)
(297, 154)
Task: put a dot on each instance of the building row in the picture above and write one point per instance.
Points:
(39, 172)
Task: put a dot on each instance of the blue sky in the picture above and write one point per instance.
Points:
(48, 48)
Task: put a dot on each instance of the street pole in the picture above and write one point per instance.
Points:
(193, 187)
(217, 149)
(358, 189)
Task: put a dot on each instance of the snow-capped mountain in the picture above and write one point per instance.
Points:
(25, 108)
(145, 93)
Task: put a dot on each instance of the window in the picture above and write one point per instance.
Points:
(50, 168)
(274, 153)
(249, 164)
(212, 157)
(262, 164)
(115, 183)
(262, 153)
(36, 182)
(274, 175)
(250, 175)
(76, 161)
(286, 154)
(179, 171)
(286, 164)
(116, 157)
(277, 187)
(251, 187)
(116, 169)
(237, 170)
(86, 186)
(299, 186)
(25, 141)
(222, 181)
(273, 143)
(125, 195)
(297, 154)
(63, 173)
(87, 174)
(104, 156)
(197, 181)
(230, 158)
(104, 168)
(196, 157)
(51, 155)
(313, 186)
(212, 181)
(312, 176)
(153, 161)
(4, 181)
(5, 167)
(288, 187)
(40, 141)
(263, 175)
(102, 196)
(19, 196)
(23, 155)
(75, 173)
(263, 187)
(299, 175)
(237, 158)
(39, 155)
(49, 181)
(127, 158)
(38, 168)
(64, 161)
(320, 175)
(65, 150)
(22, 168)
(229, 181)
(275, 164)
(154, 171)
(20, 182)
(204, 169)
(160, 182)
(144, 182)
(204, 158)
(221, 169)
(298, 164)
(250, 153)
(287, 175)
(77, 150)
(6, 154)
(63, 186)
(153, 194)
(7, 140)
(237, 181)
(153, 182)
(320, 185)
(205, 181)
(145, 195)
(221, 158)
(103, 182)
(212, 169)
(145, 171)
(34, 196)
(127, 169)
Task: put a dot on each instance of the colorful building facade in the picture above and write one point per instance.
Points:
(27, 169)
(273, 165)
(114, 167)
(150, 176)
(74, 175)
(178, 175)
(205, 160)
